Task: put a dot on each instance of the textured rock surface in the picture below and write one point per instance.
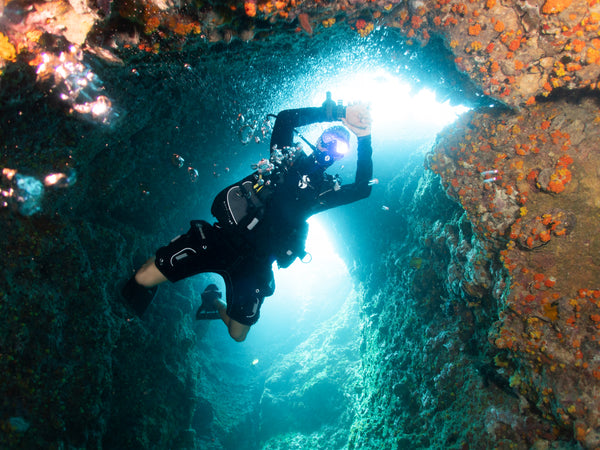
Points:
(514, 50)
(430, 377)
(539, 211)
(324, 370)
(479, 324)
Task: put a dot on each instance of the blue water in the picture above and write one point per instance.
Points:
(85, 374)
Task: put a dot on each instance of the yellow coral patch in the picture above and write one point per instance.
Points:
(551, 311)
(7, 50)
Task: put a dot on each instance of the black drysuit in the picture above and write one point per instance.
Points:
(243, 256)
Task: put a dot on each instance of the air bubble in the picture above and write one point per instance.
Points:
(246, 133)
(193, 173)
(60, 180)
(24, 193)
(28, 194)
(177, 160)
(77, 85)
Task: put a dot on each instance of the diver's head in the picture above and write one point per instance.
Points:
(333, 144)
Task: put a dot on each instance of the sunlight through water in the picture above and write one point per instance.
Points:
(396, 109)
(310, 291)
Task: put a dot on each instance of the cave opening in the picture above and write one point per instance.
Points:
(462, 311)
(131, 194)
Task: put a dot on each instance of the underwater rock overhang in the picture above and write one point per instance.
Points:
(523, 175)
(515, 51)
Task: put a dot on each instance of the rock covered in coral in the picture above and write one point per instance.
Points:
(514, 51)
(542, 159)
(430, 377)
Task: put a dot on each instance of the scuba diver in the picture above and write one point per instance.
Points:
(262, 218)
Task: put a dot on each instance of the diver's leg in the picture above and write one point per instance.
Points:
(237, 331)
(214, 308)
(148, 275)
(248, 292)
(141, 289)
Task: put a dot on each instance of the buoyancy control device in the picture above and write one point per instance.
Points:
(242, 204)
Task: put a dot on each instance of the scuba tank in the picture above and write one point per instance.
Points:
(241, 206)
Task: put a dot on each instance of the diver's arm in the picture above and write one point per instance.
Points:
(283, 130)
(358, 190)
(358, 120)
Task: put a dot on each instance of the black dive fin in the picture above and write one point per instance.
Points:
(202, 314)
(137, 296)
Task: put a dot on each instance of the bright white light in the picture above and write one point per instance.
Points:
(342, 148)
(324, 267)
(308, 292)
(396, 110)
(101, 106)
(54, 178)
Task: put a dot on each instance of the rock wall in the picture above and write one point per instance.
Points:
(515, 51)
(308, 397)
(524, 180)
(430, 377)
(497, 303)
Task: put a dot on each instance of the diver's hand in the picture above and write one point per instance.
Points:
(358, 119)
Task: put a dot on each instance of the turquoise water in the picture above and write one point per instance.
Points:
(103, 190)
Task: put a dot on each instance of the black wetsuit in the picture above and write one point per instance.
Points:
(243, 256)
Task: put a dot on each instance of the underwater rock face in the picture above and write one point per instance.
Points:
(499, 319)
(429, 378)
(515, 51)
(543, 159)
(309, 396)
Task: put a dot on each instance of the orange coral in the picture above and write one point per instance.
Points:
(152, 24)
(555, 6)
(7, 50)
(474, 30)
(305, 23)
(416, 22)
(250, 8)
(183, 29)
(551, 311)
(578, 45)
(539, 277)
(564, 161)
(593, 56)
(514, 45)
